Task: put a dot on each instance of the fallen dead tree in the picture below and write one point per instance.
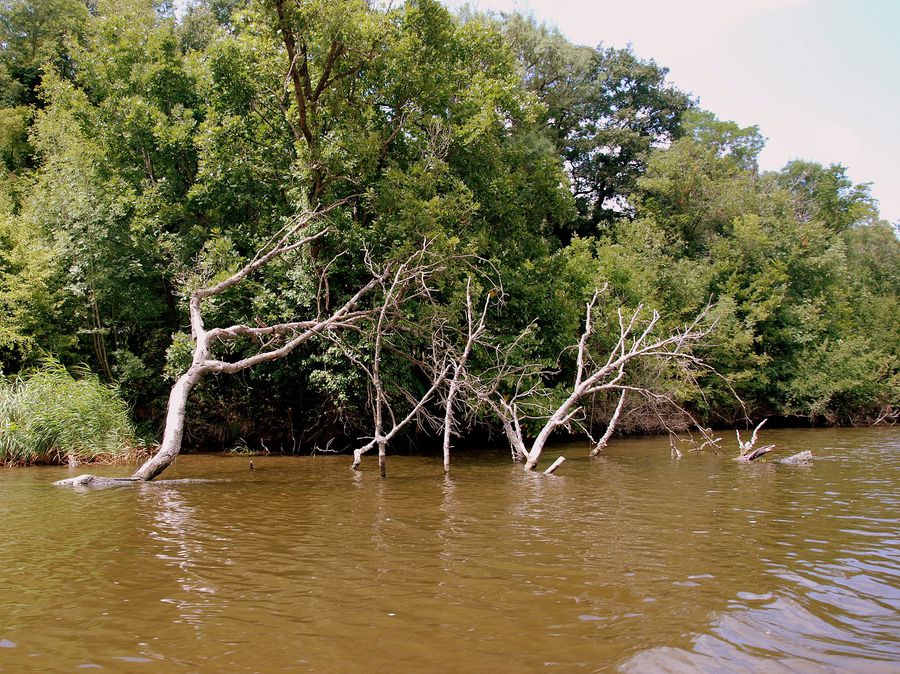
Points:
(274, 341)
(511, 390)
(443, 367)
(409, 281)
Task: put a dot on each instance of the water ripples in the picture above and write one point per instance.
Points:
(631, 563)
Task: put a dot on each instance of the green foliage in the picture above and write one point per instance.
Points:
(30, 297)
(789, 259)
(874, 253)
(47, 414)
(694, 192)
(606, 109)
(726, 139)
(36, 36)
(141, 157)
(844, 380)
(827, 195)
(14, 147)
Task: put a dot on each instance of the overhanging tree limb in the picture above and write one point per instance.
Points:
(278, 340)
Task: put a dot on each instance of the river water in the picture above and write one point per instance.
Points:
(634, 562)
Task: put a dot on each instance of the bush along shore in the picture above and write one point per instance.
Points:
(48, 416)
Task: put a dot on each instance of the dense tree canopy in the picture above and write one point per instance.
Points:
(141, 155)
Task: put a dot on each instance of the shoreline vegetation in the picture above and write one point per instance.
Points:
(342, 226)
(47, 416)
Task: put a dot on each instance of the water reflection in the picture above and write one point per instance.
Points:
(832, 603)
(448, 530)
(778, 635)
(183, 545)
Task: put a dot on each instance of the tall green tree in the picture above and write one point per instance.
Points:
(173, 151)
(606, 110)
(828, 195)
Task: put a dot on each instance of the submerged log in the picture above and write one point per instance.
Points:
(97, 482)
(556, 464)
(799, 459)
(755, 454)
(94, 481)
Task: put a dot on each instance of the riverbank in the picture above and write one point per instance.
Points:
(467, 447)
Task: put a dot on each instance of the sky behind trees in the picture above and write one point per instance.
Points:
(819, 77)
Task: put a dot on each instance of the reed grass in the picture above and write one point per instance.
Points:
(47, 415)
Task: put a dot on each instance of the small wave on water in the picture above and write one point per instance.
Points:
(782, 635)
(834, 606)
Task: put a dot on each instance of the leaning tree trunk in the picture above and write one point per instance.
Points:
(592, 375)
(559, 418)
(174, 431)
(278, 340)
(178, 397)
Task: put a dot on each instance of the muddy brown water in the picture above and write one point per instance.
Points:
(634, 562)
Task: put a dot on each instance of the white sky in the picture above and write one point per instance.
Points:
(821, 78)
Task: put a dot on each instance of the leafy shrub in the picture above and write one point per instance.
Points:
(48, 414)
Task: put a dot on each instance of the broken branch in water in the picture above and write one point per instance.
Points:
(748, 453)
(556, 464)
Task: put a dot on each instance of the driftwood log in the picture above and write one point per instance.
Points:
(799, 459)
(755, 454)
(94, 481)
(97, 482)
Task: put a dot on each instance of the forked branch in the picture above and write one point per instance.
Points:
(749, 451)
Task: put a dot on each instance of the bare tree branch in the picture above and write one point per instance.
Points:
(593, 375)
(610, 427)
(277, 341)
(749, 451)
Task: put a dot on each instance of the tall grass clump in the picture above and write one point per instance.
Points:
(47, 414)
